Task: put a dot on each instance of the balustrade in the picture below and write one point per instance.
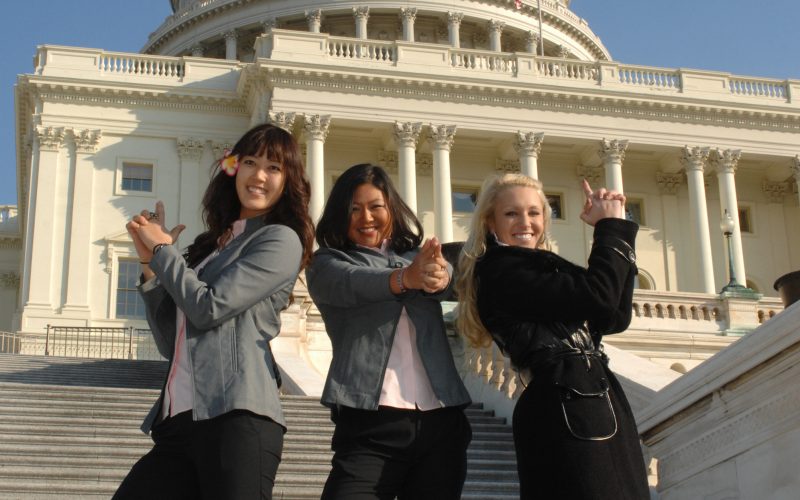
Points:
(486, 61)
(568, 69)
(349, 48)
(758, 88)
(649, 77)
(110, 62)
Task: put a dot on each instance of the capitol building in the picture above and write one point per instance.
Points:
(442, 94)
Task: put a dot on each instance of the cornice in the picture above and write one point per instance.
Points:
(540, 98)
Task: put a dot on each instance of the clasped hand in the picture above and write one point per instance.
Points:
(148, 230)
(428, 271)
(602, 204)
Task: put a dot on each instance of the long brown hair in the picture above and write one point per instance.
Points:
(221, 205)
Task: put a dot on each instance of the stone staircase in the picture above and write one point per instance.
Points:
(69, 428)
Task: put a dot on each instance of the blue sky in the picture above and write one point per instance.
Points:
(743, 37)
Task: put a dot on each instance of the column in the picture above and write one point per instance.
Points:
(726, 162)
(406, 135)
(283, 120)
(314, 19)
(316, 129)
(442, 137)
(78, 284)
(190, 151)
(668, 184)
(532, 41)
(453, 28)
(39, 233)
(495, 34)
(613, 153)
(197, 50)
(230, 44)
(269, 24)
(694, 160)
(528, 146)
(796, 174)
(777, 231)
(361, 14)
(408, 15)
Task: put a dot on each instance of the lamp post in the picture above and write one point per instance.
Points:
(727, 225)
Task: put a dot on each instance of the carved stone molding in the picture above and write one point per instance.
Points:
(50, 138)
(668, 183)
(455, 17)
(726, 160)
(507, 166)
(197, 50)
(388, 160)
(361, 12)
(528, 143)
(408, 13)
(775, 191)
(406, 133)
(283, 120)
(532, 37)
(442, 136)
(317, 126)
(190, 148)
(694, 158)
(9, 280)
(496, 26)
(218, 148)
(314, 16)
(86, 141)
(594, 175)
(564, 52)
(613, 150)
(230, 35)
(424, 163)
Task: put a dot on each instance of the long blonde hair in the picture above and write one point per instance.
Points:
(468, 322)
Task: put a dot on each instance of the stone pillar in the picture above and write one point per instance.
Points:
(316, 129)
(78, 283)
(269, 24)
(408, 15)
(694, 160)
(197, 50)
(283, 120)
(495, 34)
(528, 146)
(442, 137)
(726, 162)
(230, 44)
(796, 174)
(668, 184)
(613, 154)
(532, 42)
(406, 135)
(190, 151)
(454, 27)
(261, 103)
(361, 14)
(314, 19)
(40, 222)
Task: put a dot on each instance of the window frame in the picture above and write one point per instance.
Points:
(463, 188)
(642, 209)
(140, 162)
(562, 197)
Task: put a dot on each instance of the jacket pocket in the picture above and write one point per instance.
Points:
(585, 400)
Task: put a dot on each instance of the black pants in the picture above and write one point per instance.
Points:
(390, 453)
(233, 456)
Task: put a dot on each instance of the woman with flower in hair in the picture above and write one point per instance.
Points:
(218, 426)
(574, 432)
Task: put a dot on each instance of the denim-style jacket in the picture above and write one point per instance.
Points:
(232, 309)
(351, 290)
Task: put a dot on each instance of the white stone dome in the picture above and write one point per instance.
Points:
(200, 26)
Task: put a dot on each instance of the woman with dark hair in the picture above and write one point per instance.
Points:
(574, 432)
(393, 389)
(218, 426)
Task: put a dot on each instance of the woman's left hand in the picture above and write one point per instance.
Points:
(151, 230)
(430, 267)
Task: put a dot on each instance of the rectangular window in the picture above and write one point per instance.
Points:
(129, 302)
(556, 202)
(745, 220)
(137, 177)
(634, 211)
(464, 199)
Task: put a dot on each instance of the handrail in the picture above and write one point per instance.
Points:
(100, 342)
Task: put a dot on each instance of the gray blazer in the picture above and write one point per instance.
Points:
(232, 309)
(351, 290)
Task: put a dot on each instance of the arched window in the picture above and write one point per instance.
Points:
(644, 281)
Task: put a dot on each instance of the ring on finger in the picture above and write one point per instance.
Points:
(152, 216)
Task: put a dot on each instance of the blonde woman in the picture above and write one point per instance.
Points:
(574, 432)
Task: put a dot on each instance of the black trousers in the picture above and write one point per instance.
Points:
(233, 456)
(408, 454)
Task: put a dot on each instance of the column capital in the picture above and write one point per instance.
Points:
(361, 12)
(190, 148)
(218, 148)
(532, 37)
(269, 24)
(313, 15)
(282, 119)
(86, 141)
(595, 176)
(725, 160)
(694, 158)
(454, 17)
(408, 13)
(507, 166)
(442, 136)
(496, 26)
(230, 35)
(406, 133)
(50, 138)
(197, 50)
(564, 52)
(613, 150)
(668, 182)
(796, 167)
(775, 191)
(528, 143)
(317, 126)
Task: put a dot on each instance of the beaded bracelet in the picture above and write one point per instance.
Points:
(399, 278)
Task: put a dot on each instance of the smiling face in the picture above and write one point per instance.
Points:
(370, 220)
(518, 217)
(259, 185)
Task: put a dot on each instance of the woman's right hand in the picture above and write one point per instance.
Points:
(601, 204)
(428, 270)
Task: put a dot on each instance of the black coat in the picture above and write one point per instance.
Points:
(530, 300)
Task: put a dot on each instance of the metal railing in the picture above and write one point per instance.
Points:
(9, 343)
(101, 342)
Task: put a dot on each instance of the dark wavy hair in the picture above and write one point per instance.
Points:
(333, 225)
(221, 205)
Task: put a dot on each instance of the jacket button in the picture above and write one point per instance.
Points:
(632, 257)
